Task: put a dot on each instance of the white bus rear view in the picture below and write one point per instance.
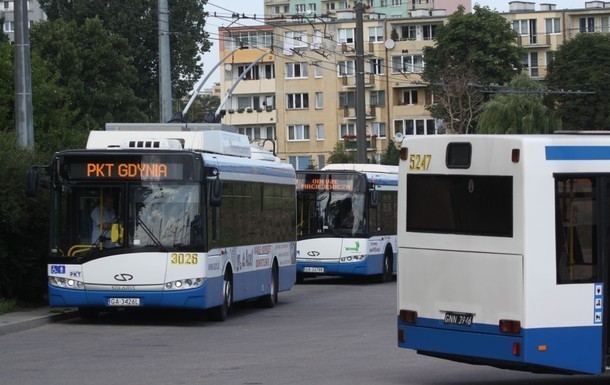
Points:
(504, 250)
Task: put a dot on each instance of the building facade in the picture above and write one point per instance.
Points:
(7, 11)
(303, 92)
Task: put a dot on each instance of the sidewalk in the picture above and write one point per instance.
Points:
(27, 319)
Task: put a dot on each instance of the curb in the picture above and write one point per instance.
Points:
(20, 321)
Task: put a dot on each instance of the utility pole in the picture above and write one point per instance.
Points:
(165, 76)
(360, 100)
(24, 124)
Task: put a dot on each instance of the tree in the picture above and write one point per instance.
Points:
(391, 155)
(93, 71)
(3, 36)
(340, 155)
(518, 113)
(581, 64)
(136, 21)
(470, 51)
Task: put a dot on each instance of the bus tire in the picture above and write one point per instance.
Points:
(268, 301)
(220, 313)
(386, 268)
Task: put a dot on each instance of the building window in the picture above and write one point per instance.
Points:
(300, 162)
(347, 67)
(587, 24)
(429, 31)
(553, 25)
(317, 69)
(269, 71)
(346, 35)
(377, 66)
(408, 64)
(343, 5)
(9, 26)
(409, 32)
(376, 34)
(248, 102)
(321, 161)
(296, 70)
(378, 129)
(409, 96)
(298, 132)
(299, 8)
(347, 129)
(296, 39)
(319, 100)
(297, 101)
(319, 131)
(251, 74)
(347, 99)
(521, 27)
(330, 6)
(415, 127)
(396, 2)
(311, 7)
(377, 98)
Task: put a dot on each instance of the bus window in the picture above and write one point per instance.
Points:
(576, 230)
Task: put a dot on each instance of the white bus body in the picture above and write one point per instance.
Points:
(182, 239)
(503, 250)
(346, 215)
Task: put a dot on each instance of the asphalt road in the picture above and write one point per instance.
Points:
(325, 331)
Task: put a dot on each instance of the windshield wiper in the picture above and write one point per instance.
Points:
(151, 235)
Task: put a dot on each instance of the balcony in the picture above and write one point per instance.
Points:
(350, 81)
(349, 113)
(350, 142)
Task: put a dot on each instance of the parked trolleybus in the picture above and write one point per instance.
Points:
(504, 246)
(172, 216)
(346, 221)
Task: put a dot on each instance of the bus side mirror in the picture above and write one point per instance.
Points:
(116, 233)
(374, 201)
(32, 182)
(215, 192)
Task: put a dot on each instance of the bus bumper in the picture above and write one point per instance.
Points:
(206, 296)
(372, 265)
(548, 350)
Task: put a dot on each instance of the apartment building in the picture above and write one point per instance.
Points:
(309, 78)
(7, 10)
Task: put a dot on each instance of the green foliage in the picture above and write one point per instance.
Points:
(201, 105)
(7, 88)
(23, 227)
(471, 49)
(3, 36)
(518, 113)
(340, 155)
(136, 21)
(391, 155)
(93, 73)
(581, 64)
(8, 305)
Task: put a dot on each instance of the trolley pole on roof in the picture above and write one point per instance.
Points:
(360, 101)
(24, 121)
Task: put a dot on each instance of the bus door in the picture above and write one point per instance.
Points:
(583, 246)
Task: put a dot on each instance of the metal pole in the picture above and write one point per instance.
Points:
(165, 76)
(360, 100)
(192, 99)
(24, 125)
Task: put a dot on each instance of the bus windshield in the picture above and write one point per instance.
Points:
(138, 214)
(331, 205)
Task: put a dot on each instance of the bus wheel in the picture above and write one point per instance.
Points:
(269, 300)
(386, 269)
(221, 312)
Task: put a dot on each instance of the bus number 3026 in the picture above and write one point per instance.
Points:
(184, 259)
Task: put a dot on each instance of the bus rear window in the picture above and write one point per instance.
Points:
(460, 204)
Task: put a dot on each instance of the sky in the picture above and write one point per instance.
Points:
(255, 7)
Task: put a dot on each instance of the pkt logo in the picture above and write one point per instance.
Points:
(123, 277)
(313, 253)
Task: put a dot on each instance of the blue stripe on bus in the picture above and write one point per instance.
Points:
(566, 348)
(372, 265)
(577, 152)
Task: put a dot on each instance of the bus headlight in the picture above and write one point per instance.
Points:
(352, 258)
(67, 283)
(182, 284)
